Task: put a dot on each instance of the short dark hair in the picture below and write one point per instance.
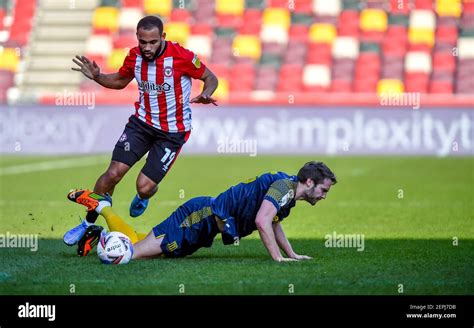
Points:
(149, 23)
(316, 171)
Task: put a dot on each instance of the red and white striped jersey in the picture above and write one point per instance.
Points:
(164, 86)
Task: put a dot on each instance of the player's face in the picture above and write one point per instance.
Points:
(316, 193)
(149, 42)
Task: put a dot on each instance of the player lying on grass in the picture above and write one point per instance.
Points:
(257, 204)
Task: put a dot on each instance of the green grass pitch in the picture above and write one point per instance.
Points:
(416, 214)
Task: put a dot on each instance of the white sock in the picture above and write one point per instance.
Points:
(102, 204)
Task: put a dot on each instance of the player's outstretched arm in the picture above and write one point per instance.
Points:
(92, 71)
(285, 244)
(210, 85)
(264, 220)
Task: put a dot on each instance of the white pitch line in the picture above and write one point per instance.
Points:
(53, 165)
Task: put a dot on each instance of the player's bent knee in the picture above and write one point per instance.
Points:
(114, 175)
(146, 186)
(147, 190)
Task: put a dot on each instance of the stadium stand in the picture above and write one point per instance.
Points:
(261, 50)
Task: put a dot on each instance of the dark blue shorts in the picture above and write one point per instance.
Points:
(187, 229)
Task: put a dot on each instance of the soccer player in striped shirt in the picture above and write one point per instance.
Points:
(161, 123)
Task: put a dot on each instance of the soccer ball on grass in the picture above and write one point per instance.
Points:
(115, 248)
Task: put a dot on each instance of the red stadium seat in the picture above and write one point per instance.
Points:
(372, 36)
(290, 78)
(365, 85)
(444, 61)
(19, 36)
(125, 40)
(302, 6)
(290, 85)
(278, 4)
(202, 29)
(180, 15)
(394, 48)
(468, 7)
(252, 21)
(99, 60)
(349, 17)
(424, 4)
(2, 16)
(419, 47)
(299, 32)
(241, 85)
(416, 82)
(447, 34)
(132, 3)
(243, 71)
(249, 29)
(368, 59)
(222, 71)
(253, 16)
(399, 6)
(397, 32)
(441, 87)
(348, 23)
(22, 21)
(395, 41)
(230, 21)
(319, 53)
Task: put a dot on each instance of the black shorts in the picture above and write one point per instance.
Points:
(138, 138)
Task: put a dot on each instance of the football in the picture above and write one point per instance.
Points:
(115, 248)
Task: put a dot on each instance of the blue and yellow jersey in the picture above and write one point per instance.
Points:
(243, 200)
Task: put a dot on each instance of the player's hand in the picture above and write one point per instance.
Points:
(86, 67)
(285, 259)
(301, 257)
(202, 99)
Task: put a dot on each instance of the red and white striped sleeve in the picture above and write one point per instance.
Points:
(191, 64)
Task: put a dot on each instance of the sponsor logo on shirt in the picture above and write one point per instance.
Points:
(151, 87)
